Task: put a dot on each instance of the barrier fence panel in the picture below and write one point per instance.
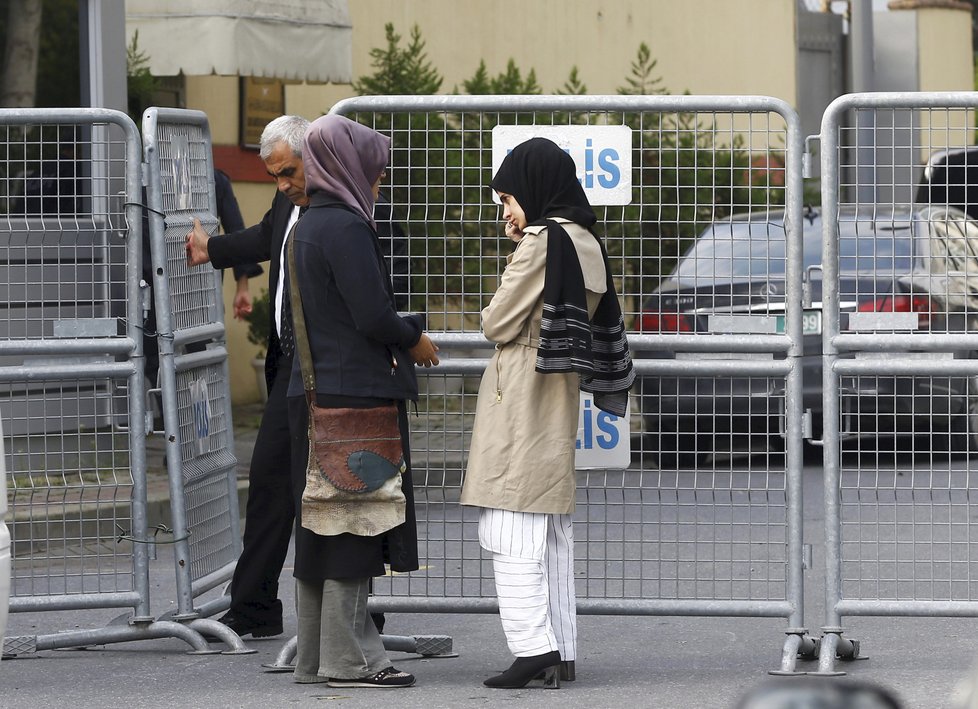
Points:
(900, 376)
(71, 372)
(193, 370)
(703, 517)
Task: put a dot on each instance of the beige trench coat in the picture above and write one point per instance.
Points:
(521, 457)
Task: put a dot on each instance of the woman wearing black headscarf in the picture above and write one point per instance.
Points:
(362, 354)
(558, 328)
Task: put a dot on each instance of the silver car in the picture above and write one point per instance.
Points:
(921, 263)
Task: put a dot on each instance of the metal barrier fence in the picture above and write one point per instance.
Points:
(900, 374)
(71, 372)
(684, 529)
(861, 310)
(193, 365)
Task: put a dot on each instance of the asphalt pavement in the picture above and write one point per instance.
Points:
(635, 662)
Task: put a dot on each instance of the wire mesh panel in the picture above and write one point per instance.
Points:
(703, 251)
(71, 394)
(900, 194)
(207, 459)
(193, 355)
(182, 156)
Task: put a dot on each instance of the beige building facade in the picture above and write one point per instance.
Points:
(747, 47)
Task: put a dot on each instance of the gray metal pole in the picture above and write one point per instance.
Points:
(102, 30)
(863, 79)
(102, 45)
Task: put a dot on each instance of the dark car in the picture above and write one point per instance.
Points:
(901, 269)
(950, 177)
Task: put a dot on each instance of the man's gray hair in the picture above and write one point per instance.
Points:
(284, 129)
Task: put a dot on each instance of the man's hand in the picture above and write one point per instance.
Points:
(242, 299)
(196, 245)
(424, 353)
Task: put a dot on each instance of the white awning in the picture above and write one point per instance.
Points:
(284, 39)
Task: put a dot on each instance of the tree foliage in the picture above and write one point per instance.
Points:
(573, 86)
(397, 70)
(508, 82)
(641, 81)
(141, 83)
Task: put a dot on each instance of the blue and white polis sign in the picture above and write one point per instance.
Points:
(603, 155)
(603, 440)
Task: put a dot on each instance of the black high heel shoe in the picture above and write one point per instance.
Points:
(525, 669)
(568, 672)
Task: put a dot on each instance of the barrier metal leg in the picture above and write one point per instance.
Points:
(284, 661)
(218, 605)
(15, 646)
(424, 645)
(834, 647)
(219, 630)
(798, 645)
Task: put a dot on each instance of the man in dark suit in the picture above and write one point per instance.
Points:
(269, 516)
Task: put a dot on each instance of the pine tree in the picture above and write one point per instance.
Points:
(508, 82)
(641, 82)
(479, 84)
(573, 86)
(399, 71)
(141, 84)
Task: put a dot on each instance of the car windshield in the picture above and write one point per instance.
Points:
(755, 250)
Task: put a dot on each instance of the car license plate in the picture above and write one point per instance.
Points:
(811, 322)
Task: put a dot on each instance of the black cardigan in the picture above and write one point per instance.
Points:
(359, 343)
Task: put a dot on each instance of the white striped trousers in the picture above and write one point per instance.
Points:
(533, 563)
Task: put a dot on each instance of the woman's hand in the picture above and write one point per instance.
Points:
(513, 232)
(424, 353)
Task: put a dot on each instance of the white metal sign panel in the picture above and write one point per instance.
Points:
(603, 439)
(603, 155)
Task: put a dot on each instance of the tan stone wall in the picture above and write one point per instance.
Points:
(943, 55)
(944, 50)
(217, 96)
(704, 46)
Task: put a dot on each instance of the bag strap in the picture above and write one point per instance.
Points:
(302, 347)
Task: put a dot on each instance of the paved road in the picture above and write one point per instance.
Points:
(668, 662)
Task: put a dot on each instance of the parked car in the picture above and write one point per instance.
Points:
(947, 179)
(4, 541)
(921, 262)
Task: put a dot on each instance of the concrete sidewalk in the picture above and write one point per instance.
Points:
(636, 662)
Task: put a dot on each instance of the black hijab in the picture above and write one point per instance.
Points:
(543, 179)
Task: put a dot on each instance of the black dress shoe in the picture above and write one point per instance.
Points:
(244, 626)
(525, 669)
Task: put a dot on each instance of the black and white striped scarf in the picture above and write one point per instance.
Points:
(597, 348)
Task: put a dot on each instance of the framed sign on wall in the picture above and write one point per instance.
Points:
(261, 101)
